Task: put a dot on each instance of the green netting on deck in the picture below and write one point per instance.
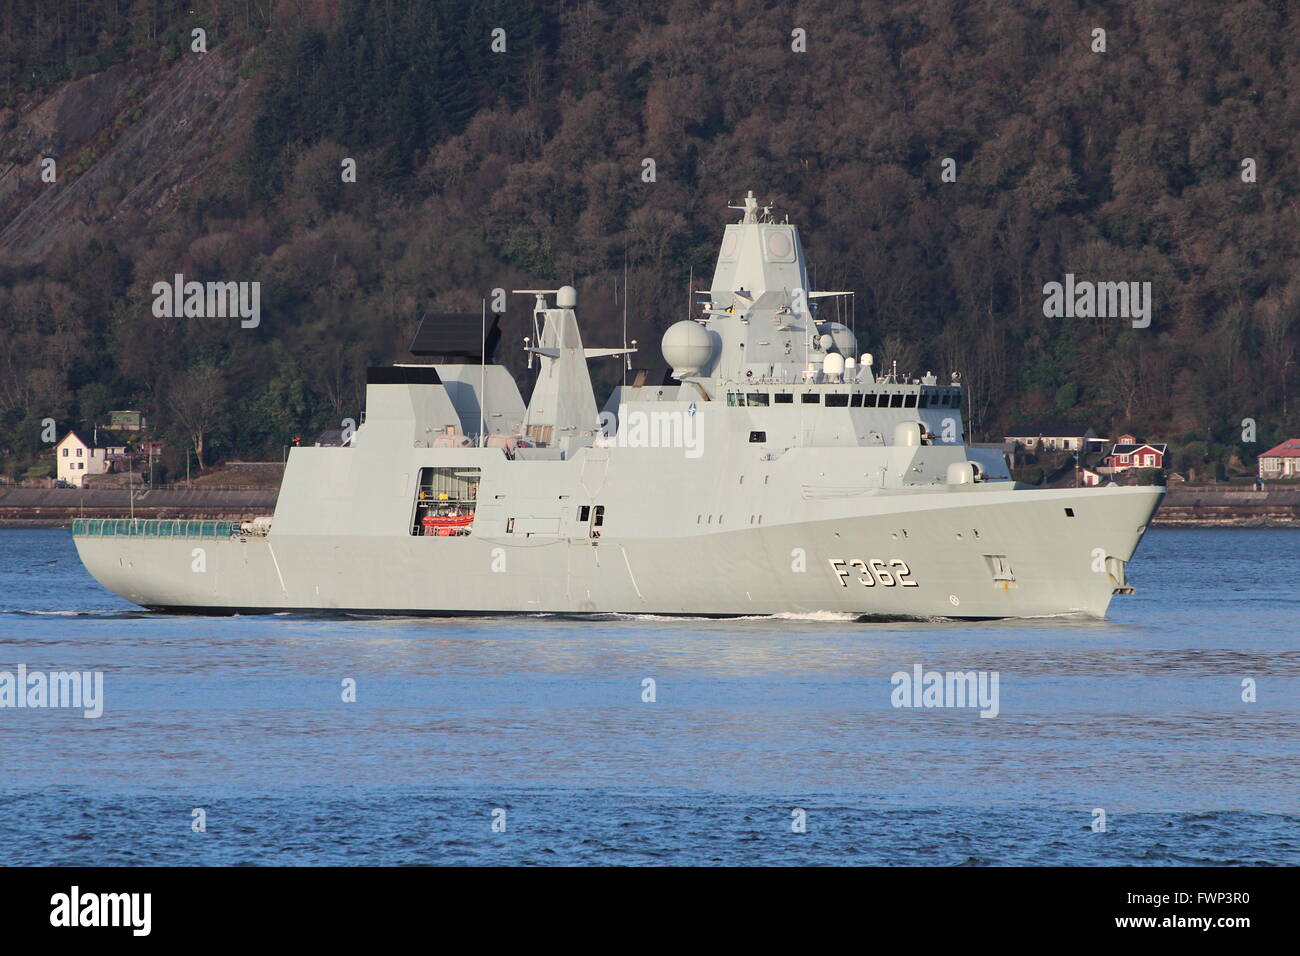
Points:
(152, 528)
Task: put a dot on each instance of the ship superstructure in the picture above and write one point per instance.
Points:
(771, 468)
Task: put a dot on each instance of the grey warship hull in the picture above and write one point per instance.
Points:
(819, 559)
(771, 473)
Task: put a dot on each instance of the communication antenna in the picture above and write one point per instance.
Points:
(853, 312)
(627, 357)
(482, 377)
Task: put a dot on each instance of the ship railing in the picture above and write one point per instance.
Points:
(153, 528)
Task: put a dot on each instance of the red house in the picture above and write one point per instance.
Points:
(1131, 453)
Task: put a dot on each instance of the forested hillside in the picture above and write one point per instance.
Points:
(477, 169)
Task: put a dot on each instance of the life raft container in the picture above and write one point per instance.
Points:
(446, 525)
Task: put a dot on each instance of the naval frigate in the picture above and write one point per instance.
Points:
(769, 468)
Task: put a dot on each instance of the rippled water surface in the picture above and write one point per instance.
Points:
(542, 718)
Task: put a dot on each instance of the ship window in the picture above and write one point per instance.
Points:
(909, 401)
(924, 401)
(445, 501)
(896, 401)
(758, 436)
(869, 400)
(584, 512)
(857, 400)
(731, 398)
(599, 518)
(810, 398)
(1069, 512)
(784, 398)
(838, 400)
(757, 398)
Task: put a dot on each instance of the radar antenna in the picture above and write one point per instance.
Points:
(750, 208)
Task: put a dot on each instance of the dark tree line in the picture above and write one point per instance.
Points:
(479, 170)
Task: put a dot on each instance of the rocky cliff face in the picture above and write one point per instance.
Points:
(124, 141)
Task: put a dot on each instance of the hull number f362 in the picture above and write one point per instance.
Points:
(891, 573)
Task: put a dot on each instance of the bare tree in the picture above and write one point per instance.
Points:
(197, 399)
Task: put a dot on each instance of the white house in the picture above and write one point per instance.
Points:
(1282, 461)
(76, 459)
(1055, 437)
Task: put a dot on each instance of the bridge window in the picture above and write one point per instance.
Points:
(869, 400)
(784, 398)
(837, 400)
(857, 400)
(757, 398)
(810, 398)
(896, 401)
(909, 401)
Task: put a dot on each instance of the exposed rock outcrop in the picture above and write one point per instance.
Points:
(125, 141)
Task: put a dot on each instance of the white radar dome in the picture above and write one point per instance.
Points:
(687, 348)
(834, 364)
(846, 343)
(566, 297)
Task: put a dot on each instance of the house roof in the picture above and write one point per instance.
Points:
(106, 439)
(1047, 430)
(1130, 449)
(1288, 449)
